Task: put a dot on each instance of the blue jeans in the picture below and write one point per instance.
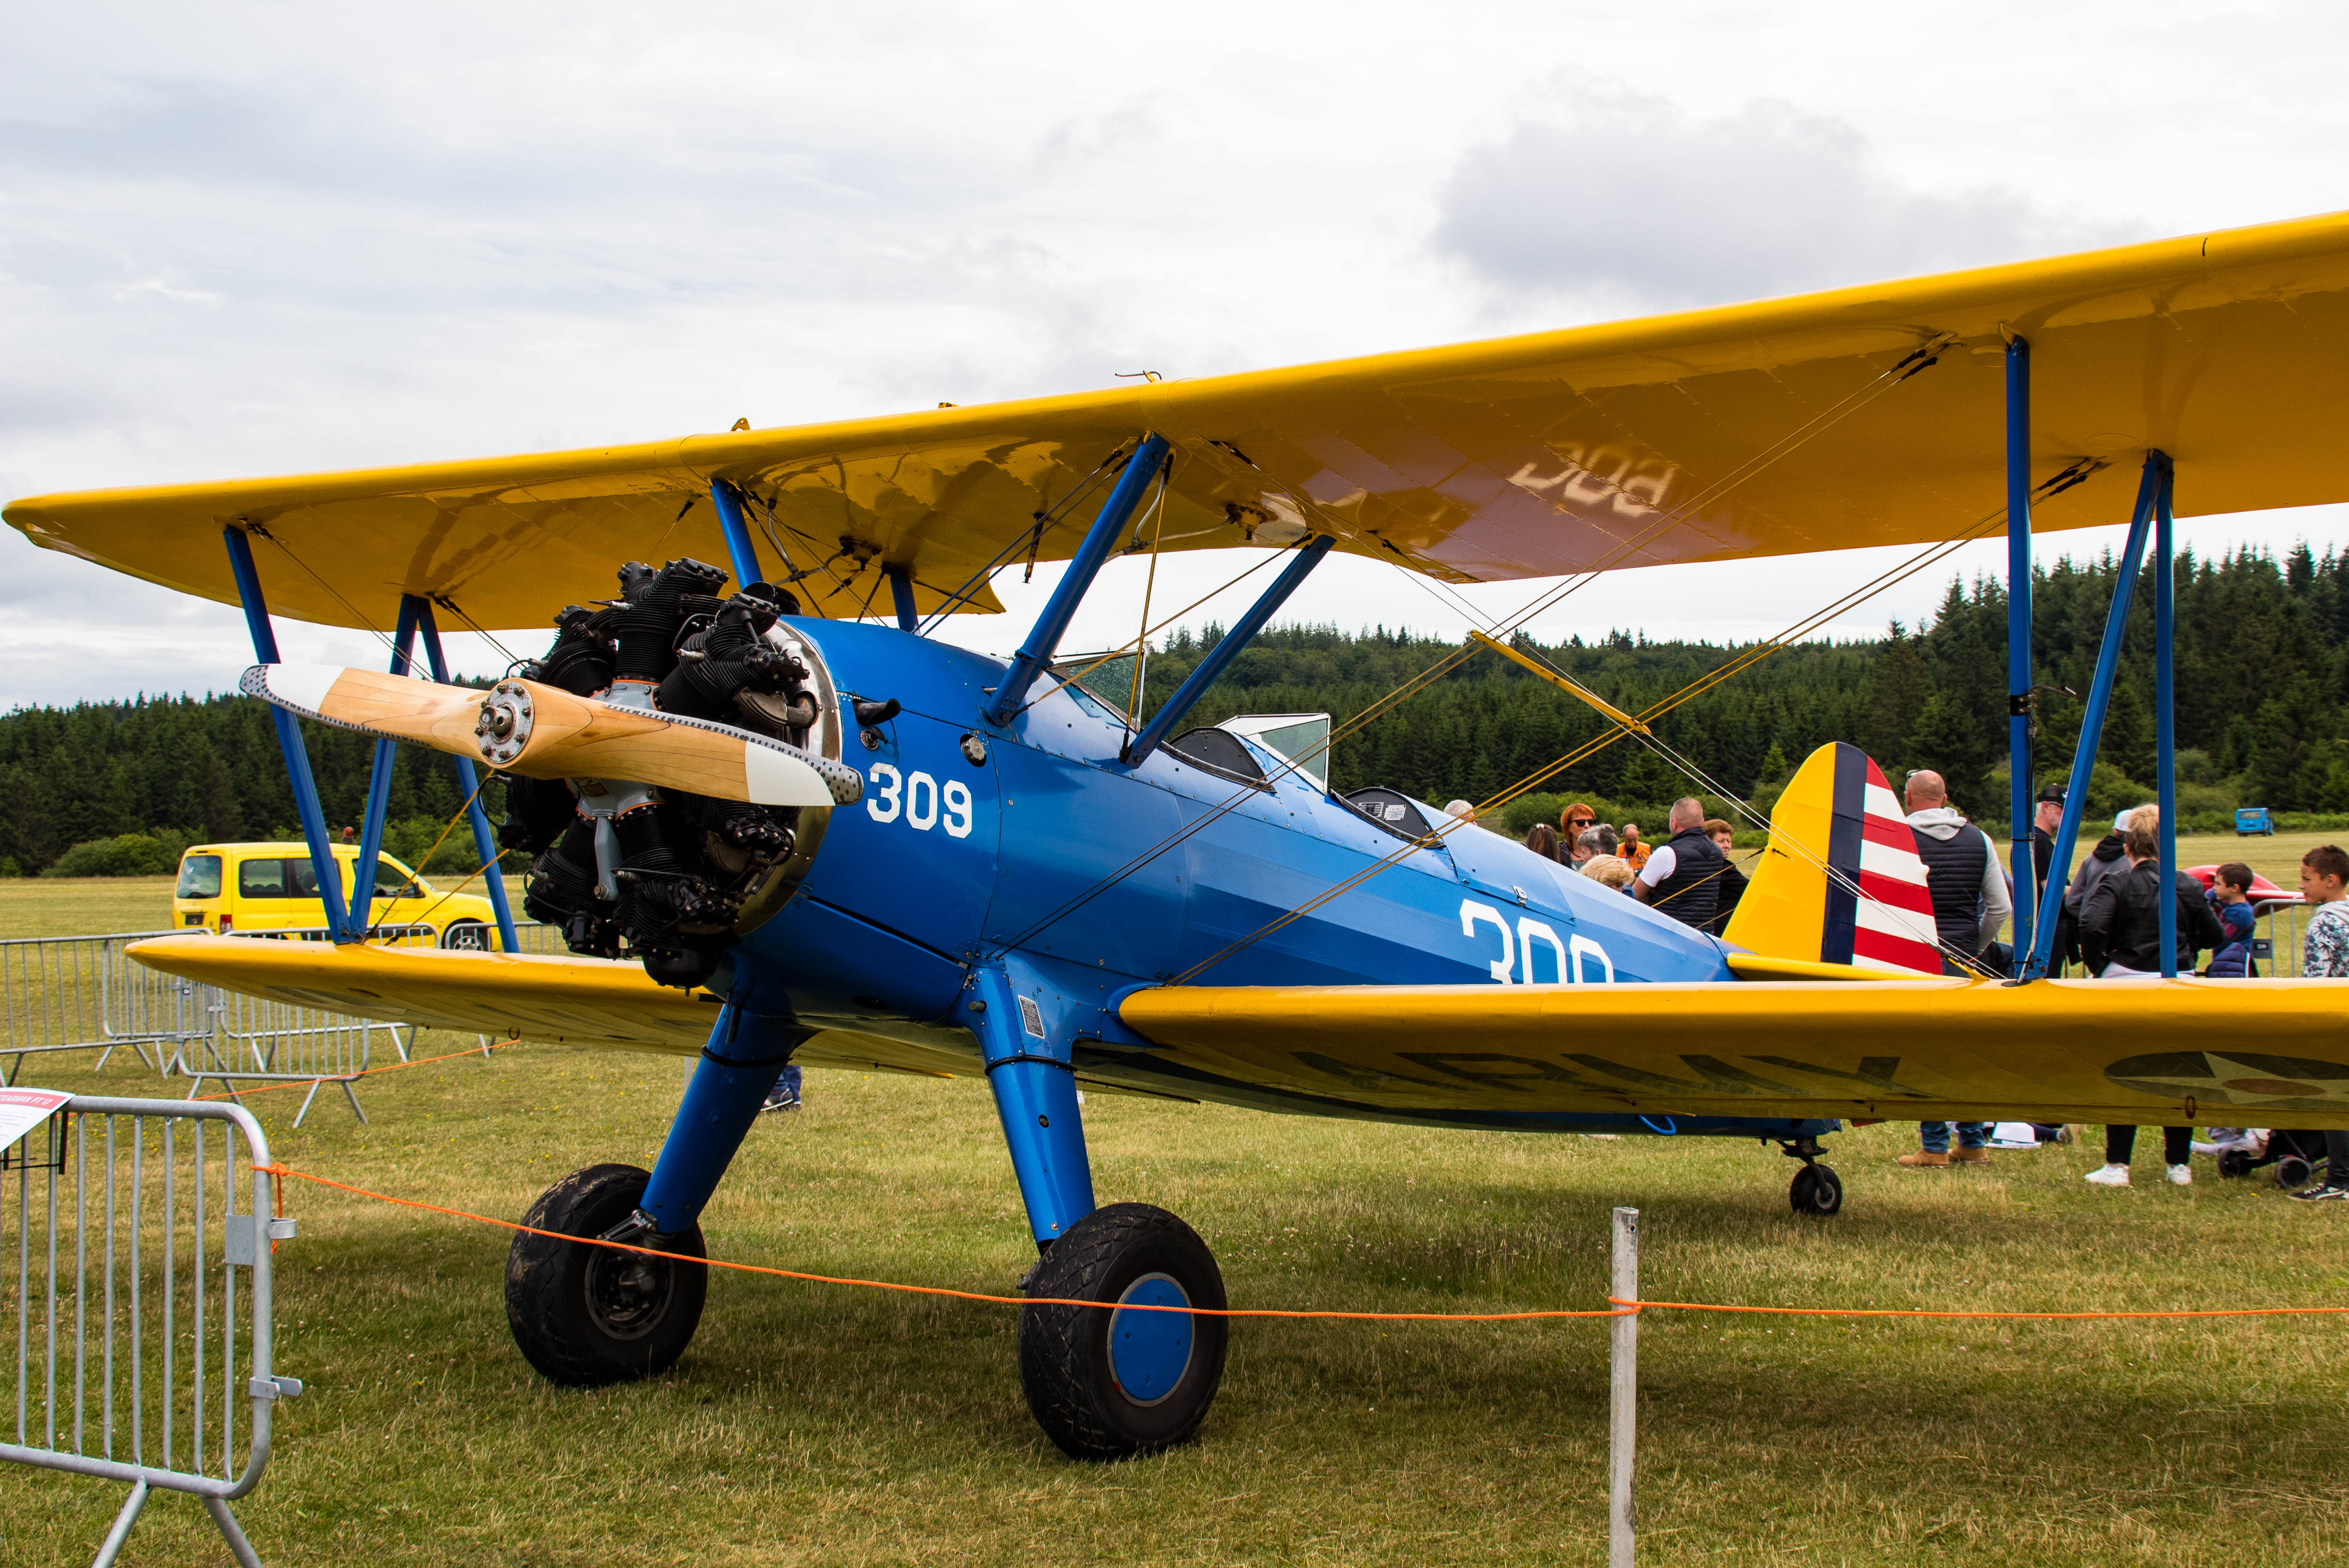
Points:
(1936, 1135)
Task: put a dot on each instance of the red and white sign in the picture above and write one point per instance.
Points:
(23, 1109)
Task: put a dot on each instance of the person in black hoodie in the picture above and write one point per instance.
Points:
(2120, 919)
(2102, 860)
(2120, 936)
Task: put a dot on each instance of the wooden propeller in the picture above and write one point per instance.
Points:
(545, 732)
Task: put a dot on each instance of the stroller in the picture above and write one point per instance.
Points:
(2298, 1157)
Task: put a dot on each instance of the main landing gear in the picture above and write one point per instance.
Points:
(1816, 1190)
(1105, 1381)
(1105, 1384)
(585, 1317)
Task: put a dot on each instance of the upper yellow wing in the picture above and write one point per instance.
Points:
(1861, 416)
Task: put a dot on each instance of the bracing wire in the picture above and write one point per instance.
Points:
(357, 620)
(1149, 587)
(1033, 536)
(457, 610)
(1869, 589)
(1910, 366)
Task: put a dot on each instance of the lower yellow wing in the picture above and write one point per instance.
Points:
(2151, 1051)
(510, 995)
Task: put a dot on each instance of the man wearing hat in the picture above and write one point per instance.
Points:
(2043, 838)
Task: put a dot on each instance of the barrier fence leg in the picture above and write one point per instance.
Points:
(1623, 1391)
(112, 1547)
(239, 1547)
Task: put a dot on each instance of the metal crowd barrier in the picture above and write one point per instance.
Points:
(2277, 953)
(261, 1040)
(82, 993)
(140, 1300)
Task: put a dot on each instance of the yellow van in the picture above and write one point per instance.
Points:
(271, 887)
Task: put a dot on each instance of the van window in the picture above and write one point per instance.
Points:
(199, 877)
(274, 877)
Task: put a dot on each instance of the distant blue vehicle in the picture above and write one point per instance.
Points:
(2253, 820)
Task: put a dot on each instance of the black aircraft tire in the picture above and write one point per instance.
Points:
(585, 1317)
(1070, 1355)
(1817, 1191)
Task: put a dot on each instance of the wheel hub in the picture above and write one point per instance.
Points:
(627, 1295)
(1150, 1351)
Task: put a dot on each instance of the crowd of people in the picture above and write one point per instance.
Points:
(2109, 925)
(1688, 876)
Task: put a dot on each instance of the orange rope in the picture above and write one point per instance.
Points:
(932, 1289)
(1618, 1306)
(365, 1072)
(1638, 1307)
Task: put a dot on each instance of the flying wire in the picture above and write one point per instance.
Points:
(1883, 581)
(457, 610)
(1149, 586)
(357, 620)
(1078, 673)
(1913, 363)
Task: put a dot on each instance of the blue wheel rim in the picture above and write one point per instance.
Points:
(1150, 1351)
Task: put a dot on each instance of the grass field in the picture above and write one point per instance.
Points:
(831, 1426)
(83, 906)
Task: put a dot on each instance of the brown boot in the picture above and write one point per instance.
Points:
(1962, 1156)
(1924, 1159)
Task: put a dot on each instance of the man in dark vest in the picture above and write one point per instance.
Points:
(1682, 876)
(1971, 902)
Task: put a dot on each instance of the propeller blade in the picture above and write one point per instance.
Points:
(543, 732)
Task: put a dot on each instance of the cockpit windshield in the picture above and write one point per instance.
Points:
(1301, 738)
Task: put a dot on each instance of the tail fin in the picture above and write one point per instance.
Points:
(1840, 882)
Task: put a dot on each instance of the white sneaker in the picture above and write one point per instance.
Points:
(2181, 1175)
(2108, 1176)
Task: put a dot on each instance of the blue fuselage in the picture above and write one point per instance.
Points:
(1054, 849)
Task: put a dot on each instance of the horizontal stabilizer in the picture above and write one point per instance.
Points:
(545, 732)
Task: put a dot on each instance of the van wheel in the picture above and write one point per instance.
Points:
(468, 936)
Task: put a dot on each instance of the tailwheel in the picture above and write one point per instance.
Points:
(1107, 1384)
(1817, 1191)
(588, 1315)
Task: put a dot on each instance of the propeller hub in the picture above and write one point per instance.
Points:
(503, 728)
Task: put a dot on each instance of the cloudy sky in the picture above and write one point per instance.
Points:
(245, 238)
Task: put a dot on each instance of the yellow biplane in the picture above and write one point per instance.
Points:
(832, 839)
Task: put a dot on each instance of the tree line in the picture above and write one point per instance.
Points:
(2261, 651)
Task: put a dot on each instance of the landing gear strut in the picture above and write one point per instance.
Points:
(1816, 1190)
(1111, 1381)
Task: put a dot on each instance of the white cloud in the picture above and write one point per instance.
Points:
(262, 238)
(1599, 190)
